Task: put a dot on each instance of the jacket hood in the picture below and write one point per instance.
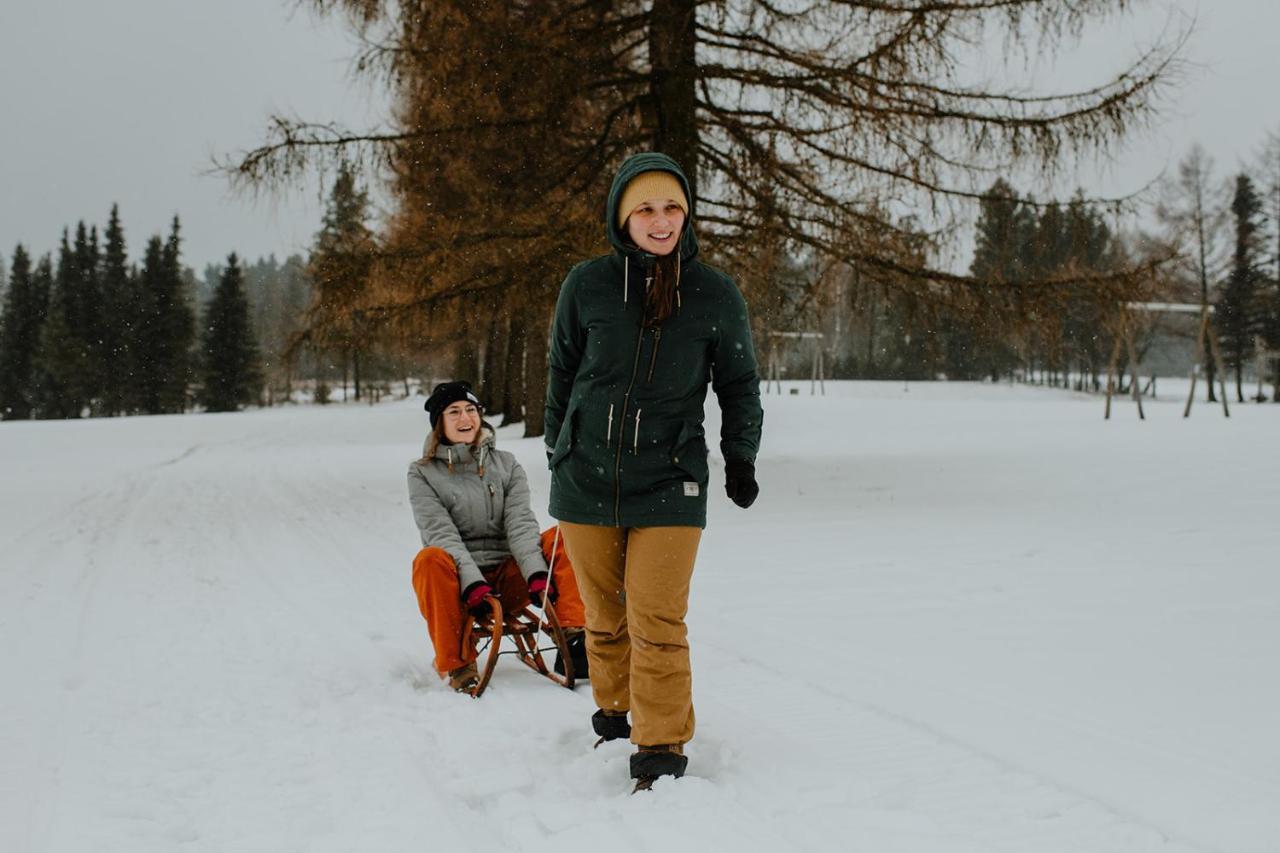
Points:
(632, 166)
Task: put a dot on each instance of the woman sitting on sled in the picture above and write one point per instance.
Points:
(480, 537)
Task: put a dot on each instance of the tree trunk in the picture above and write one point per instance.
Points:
(672, 80)
(355, 371)
(513, 374)
(535, 370)
(873, 309)
(495, 361)
(464, 363)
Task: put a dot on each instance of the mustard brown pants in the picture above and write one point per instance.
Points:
(635, 586)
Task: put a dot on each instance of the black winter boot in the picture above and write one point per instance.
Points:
(610, 726)
(650, 762)
(577, 643)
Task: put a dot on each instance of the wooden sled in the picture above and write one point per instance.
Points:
(522, 630)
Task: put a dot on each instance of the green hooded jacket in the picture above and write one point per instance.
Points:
(624, 402)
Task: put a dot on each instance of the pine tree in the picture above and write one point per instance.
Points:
(340, 264)
(42, 286)
(19, 337)
(976, 344)
(1238, 306)
(179, 323)
(59, 360)
(1271, 302)
(117, 327)
(229, 363)
(165, 328)
(63, 362)
(85, 315)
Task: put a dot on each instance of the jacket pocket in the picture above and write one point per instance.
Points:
(689, 453)
(565, 440)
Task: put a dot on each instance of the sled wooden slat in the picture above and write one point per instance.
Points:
(492, 648)
(522, 630)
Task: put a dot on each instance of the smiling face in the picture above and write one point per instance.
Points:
(655, 225)
(461, 422)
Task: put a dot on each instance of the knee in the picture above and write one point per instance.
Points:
(432, 562)
(661, 631)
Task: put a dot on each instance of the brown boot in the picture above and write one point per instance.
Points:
(464, 679)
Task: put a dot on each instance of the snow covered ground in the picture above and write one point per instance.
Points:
(960, 618)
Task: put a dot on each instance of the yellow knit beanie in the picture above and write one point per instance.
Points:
(647, 185)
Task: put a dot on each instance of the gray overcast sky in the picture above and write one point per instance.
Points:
(127, 101)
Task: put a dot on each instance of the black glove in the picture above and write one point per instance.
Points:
(740, 482)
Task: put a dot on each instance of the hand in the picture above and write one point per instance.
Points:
(538, 588)
(740, 482)
(475, 599)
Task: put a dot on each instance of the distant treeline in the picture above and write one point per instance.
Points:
(90, 333)
(1222, 238)
(1007, 323)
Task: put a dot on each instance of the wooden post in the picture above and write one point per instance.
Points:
(813, 372)
(817, 378)
(1133, 367)
(1111, 373)
(1260, 367)
(774, 373)
(1216, 349)
(1199, 358)
(822, 371)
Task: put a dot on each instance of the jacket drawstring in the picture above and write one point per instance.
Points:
(626, 279)
(635, 447)
(608, 435)
(678, 306)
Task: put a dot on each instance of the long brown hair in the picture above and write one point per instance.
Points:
(663, 295)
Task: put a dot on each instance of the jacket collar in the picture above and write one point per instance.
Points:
(461, 454)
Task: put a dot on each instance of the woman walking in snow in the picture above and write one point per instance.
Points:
(480, 537)
(638, 335)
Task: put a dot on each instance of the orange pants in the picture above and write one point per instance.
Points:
(435, 580)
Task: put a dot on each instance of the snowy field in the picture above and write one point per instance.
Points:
(959, 618)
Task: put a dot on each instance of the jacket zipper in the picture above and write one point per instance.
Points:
(493, 515)
(626, 401)
(653, 359)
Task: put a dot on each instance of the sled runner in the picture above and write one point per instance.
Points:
(522, 630)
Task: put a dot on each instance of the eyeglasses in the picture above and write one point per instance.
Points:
(468, 411)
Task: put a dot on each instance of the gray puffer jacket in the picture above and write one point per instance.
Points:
(479, 519)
